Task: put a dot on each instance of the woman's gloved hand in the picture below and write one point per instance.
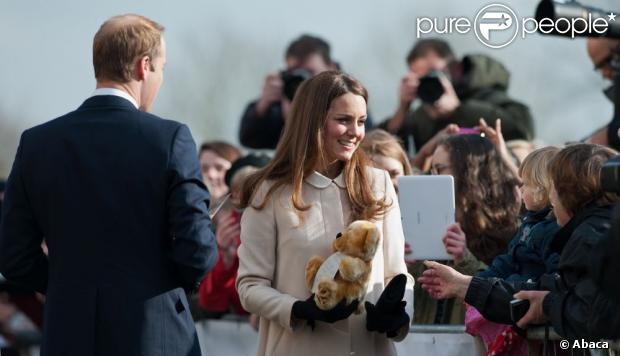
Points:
(389, 315)
(308, 310)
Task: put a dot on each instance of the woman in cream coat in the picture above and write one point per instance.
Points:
(317, 183)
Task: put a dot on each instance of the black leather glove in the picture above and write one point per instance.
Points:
(308, 310)
(389, 315)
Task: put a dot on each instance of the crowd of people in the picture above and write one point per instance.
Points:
(531, 220)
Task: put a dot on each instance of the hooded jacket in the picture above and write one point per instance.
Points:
(482, 89)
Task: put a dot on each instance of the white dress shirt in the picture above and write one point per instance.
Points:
(116, 92)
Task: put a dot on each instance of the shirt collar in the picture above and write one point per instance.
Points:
(116, 92)
(320, 181)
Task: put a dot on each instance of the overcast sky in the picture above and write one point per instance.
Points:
(219, 53)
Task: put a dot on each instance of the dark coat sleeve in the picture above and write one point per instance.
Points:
(22, 260)
(261, 132)
(194, 250)
(492, 296)
(503, 265)
(580, 309)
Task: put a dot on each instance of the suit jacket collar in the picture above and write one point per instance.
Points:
(107, 101)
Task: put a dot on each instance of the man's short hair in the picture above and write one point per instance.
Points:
(306, 45)
(121, 41)
(423, 47)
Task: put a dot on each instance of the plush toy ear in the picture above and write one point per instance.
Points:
(338, 243)
(371, 240)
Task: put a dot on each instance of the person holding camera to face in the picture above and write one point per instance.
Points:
(454, 92)
(263, 119)
(602, 52)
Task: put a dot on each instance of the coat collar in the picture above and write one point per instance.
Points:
(107, 101)
(320, 181)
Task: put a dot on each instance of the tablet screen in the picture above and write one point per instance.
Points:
(427, 209)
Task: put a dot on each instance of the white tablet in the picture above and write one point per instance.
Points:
(427, 209)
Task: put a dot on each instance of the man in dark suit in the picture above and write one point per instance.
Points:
(117, 195)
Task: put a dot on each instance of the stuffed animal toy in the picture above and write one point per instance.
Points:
(344, 274)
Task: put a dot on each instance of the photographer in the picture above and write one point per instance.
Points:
(601, 52)
(468, 90)
(570, 300)
(263, 119)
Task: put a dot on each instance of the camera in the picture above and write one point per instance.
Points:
(430, 88)
(610, 175)
(292, 80)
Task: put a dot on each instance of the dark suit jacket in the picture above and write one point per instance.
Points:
(118, 196)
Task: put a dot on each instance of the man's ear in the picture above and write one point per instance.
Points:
(143, 66)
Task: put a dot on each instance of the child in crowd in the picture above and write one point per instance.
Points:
(528, 255)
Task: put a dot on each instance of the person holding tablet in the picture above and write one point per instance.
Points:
(317, 183)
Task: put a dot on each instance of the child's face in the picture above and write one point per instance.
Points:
(528, 194)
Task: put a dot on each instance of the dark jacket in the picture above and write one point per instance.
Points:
(528, 255)
(117, 195)
(575, 306)
(483, 94)
(264, 132)
(609, 269)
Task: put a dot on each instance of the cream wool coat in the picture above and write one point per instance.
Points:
(273, 254)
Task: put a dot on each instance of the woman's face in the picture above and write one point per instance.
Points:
(561, 214)
(214, 169)
(441, 161)
(391, 165)
(344, 127)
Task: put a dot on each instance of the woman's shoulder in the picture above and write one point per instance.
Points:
(261, 191)
(378, 177)
(265, 190)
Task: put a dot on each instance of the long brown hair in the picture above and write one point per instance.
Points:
(301, 150)
(487, 206)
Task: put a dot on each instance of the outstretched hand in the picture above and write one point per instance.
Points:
(389, 315)
(441, 281)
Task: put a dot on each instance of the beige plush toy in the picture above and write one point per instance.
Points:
(345, 273)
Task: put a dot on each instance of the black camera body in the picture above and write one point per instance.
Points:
(610, 175)
(292, 80)
(430, 88)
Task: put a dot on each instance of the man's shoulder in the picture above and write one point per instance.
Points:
(159, 122)
(146, 120)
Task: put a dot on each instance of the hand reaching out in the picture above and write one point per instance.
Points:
(442, 281)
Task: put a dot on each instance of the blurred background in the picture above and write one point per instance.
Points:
(220, 52)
